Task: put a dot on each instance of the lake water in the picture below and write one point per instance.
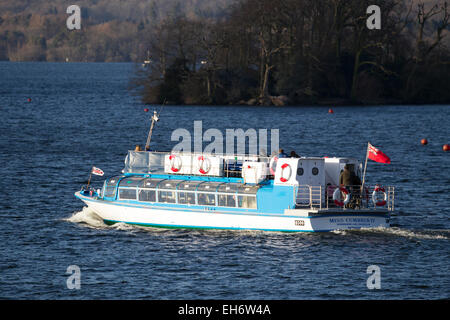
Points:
(81, 115)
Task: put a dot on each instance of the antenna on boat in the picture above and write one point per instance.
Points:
(155, 118)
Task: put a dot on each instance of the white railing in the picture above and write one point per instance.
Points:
(368, 197)
(309, 196)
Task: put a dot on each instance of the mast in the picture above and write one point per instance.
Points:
(155, 119)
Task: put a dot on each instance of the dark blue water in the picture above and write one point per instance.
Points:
(82, 115)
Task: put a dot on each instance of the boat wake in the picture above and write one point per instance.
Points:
(425, 234)
(88, 217)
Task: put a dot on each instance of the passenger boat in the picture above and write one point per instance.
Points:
(238, 192)
(250, 192)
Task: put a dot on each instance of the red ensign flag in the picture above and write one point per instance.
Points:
(97, 171)
(376, 155)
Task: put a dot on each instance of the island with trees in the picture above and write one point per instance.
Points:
(248, 52)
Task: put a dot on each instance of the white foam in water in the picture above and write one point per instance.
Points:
(413, 234)
(87, 216)
(417, 234)
(123, 226)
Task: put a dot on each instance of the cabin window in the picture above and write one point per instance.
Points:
(110, 187)
(228, 187)
(300, 171)
(315, 171)
(227, 200)
(247, 202)
(188, 185)
(206, 199)
(147, 195)
(208, 186)
(169, 184)
(149, 183)
(186, 197)
(127, 194)
(130, 181)
(113, 181)
(227, 194)
(166, 196)
(110, 192)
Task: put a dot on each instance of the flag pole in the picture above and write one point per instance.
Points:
(90, 176)
(365, 168)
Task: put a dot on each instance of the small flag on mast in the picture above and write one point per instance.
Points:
(376, 155)
(97, 171)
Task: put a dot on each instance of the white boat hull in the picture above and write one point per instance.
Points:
(292, 221)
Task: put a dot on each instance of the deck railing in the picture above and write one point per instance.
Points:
(350, 197)
(309, 196)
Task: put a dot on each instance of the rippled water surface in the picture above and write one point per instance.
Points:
(82, 115)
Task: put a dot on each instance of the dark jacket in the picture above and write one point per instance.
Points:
(349, 178)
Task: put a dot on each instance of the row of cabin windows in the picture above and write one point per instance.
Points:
(204, 199)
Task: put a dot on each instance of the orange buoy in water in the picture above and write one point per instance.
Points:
(424, 141)
(330, 110)
(446, 147)
(29, 99)
(146, 110)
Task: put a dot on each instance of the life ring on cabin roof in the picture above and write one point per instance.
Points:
(376, 200)
(283, 177)
(175, 163)
(204, 165)
(273, 165)
(337, 196)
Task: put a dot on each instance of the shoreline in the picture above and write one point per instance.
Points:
(320, 102)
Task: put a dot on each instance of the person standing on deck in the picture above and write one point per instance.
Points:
(346, 177)
(281, 154)
(350, 181)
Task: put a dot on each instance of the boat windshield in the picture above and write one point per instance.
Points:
(144, 162)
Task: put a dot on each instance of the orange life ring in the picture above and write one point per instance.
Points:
(175, 165)
(376, 201)
(337, 196)
(283, 167)
(202, 168)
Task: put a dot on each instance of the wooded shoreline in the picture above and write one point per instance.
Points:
(253, 52)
